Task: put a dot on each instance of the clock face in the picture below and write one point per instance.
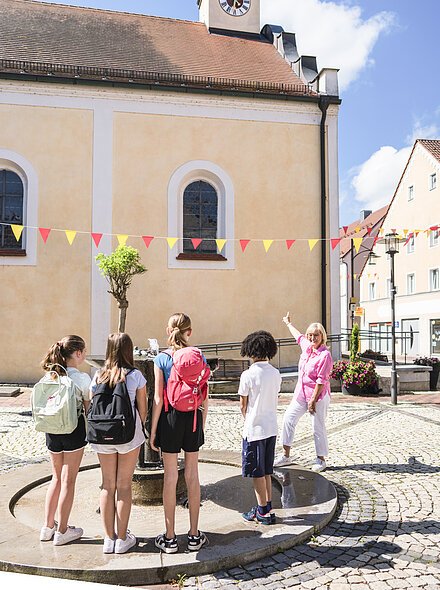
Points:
(235, 7)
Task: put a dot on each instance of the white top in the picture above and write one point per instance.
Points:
(261, 384)
(82, 380)
(134, 380)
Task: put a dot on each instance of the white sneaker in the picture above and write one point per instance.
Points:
(319, 465)
(72, 534)
(123, 545)
(46, 533)
(281, 460)
(109, 545)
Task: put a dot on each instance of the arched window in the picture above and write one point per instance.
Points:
(11, 210)
(200, 217)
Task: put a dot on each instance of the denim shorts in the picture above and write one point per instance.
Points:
(257, 457)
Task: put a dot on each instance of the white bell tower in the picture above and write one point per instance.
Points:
(231, 15)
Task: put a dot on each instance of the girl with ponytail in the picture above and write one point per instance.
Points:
(65, 450)
(173, 431)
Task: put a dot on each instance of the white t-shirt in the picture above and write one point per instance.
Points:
(261, 384)
(82, 380)
(134, 380)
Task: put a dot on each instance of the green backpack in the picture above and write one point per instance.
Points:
(54, 403)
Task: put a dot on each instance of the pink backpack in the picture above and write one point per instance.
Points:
(187, 385)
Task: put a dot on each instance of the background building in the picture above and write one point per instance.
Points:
(138, 126)
(414, 213)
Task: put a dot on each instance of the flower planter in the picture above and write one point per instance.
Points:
(433, 377)
(353, 389)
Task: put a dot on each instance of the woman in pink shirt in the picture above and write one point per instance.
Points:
(312, 392)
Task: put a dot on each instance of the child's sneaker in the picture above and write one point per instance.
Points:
(109, 545)
(46, 533)
(196, 542)
(319, 465)
(281, 460)
(123, 545)
(253, 514)
(71, 534)
(166, 545)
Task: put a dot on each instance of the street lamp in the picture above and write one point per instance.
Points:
(391, 242)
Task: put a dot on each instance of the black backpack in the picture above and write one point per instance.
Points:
(110, 418)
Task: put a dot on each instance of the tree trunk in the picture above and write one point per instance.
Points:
(123, 304)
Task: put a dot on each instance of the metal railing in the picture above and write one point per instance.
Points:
(143, 76)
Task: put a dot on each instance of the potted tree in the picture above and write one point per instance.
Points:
(119, 268)
(434, 363)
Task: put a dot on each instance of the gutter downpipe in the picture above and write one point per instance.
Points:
(323, 105)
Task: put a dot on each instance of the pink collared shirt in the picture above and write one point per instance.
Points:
(314, 367)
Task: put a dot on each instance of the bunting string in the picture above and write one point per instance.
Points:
(356, 241)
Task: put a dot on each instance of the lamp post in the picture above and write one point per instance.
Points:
(371, 262)
(391, 242)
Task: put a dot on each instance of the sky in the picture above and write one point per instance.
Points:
(387, 53)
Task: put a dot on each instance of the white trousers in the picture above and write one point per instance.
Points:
(297, 409)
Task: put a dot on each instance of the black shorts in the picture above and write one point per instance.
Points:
(257, 457)
(175, 431)
(64, 443)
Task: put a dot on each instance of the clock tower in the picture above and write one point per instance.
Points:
(241, 16)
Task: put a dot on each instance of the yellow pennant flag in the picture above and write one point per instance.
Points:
(381, 231)
(122, 239)
(355, 277)
(405, 231)
(171, 242)
(70, 235)
(17, 231)
(357, 243)
(312, 244)
(267, 244)
(358, 229)
(220, 244)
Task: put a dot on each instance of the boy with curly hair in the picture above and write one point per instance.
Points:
(258, 391)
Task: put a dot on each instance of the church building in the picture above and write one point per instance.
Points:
(209, 146)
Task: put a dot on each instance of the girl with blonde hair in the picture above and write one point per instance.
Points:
(173, 431)
(118, 462)
(312, 392)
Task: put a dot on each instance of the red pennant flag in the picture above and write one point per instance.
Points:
(289, 243)
(147, 240)
(335, 242)
(345, 227)
(375, 240)
(434, 227)
(44, 232)
(196, 242)
(96, 238)
(244, 244)
(369, 230)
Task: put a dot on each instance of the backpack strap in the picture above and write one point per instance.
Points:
(168, 352)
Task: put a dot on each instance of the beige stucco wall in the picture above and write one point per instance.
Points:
(275, 172)
(40, 304)
(419, 214)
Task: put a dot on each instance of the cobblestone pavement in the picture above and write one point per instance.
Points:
(385, 464)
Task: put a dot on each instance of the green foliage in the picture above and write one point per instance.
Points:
(354, 343)
(119, 268)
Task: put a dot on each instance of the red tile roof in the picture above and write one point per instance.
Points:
(373, 220)
(58, 34)
(432, 145)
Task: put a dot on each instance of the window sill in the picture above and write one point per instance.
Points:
(200, 256)
(6, 252)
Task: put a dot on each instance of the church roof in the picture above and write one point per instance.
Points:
(81, 42)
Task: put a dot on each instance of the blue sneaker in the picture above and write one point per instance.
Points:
(253, 514)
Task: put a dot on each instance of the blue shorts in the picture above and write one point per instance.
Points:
(257, 457)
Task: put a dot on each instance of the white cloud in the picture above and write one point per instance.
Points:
(375, 181)
(423, 131)
(335, 32)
